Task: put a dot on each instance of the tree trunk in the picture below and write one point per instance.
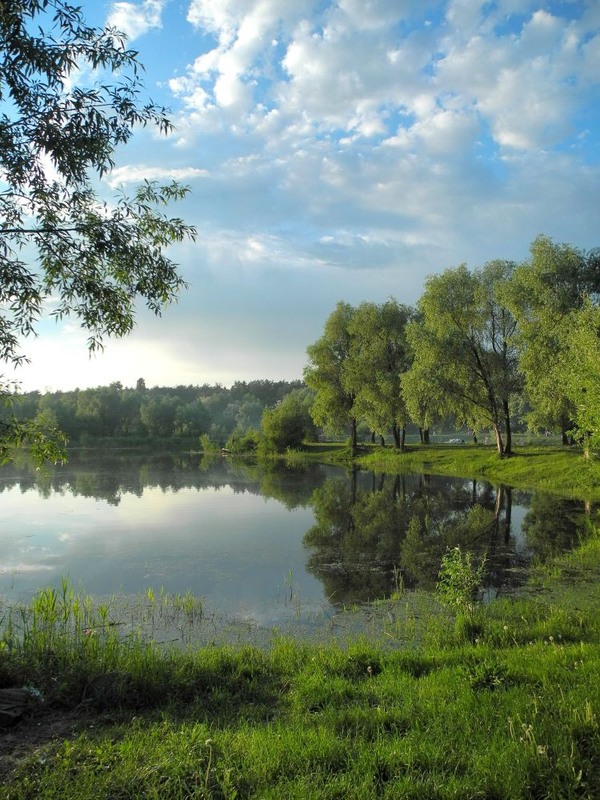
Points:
(382, 438)
(402, 438)
(353, 435)
(426, 438)
(499, 440)
(396, 433)
(565, 427)
(507, 428)
(586, 446)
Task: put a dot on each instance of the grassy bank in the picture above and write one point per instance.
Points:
(555, 469)
(503, 705)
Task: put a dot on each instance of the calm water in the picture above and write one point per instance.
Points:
(258, 544)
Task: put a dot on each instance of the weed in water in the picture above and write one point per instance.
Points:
(459, 579)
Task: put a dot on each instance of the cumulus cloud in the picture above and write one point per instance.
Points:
(135, 173)
(136, 19)
(352, 67)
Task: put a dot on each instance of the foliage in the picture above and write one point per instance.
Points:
(243, 443)
(482, 346)
(377, 365)
(356, 371)
(41, 435)
(207, 446)
(191, 419)
(579, 373)
(326, 374)
(463, 343)
(289, 423)
(459, 580)
(116, 411)
(58, 237)
(544, 292)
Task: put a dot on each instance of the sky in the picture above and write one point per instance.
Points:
(339, 150)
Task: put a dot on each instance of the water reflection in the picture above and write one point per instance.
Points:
(251, 539)
(376, 534)
(109, 475)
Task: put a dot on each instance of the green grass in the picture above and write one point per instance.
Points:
(474, 721)
(504, 708)
(551, 468)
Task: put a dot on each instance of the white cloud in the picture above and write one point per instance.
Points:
(136, 19)
(376, 14)
(521, 83)
(140, 172)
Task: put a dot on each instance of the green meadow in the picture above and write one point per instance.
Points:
(548, 467)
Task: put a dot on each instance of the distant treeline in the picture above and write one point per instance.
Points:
(180, 411)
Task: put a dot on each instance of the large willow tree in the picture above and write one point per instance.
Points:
(544, 294)
(463, 342)
(328, 374)
(378, 362)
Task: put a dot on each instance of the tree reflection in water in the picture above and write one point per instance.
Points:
(372, 533)
(370, 529)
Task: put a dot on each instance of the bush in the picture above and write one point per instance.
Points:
(207, 445)
(459, 580)
(242, 443)
(286, 426)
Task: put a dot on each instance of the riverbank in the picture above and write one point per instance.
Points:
(558, 470)
(504, 707)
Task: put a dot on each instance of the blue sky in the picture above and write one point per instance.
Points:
(341, 150)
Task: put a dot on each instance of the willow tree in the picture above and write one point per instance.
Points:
(327, 374)
(579, 373)
(543, 293)
(423, 396)
(95, 257)
(464, 343)
(378, 361)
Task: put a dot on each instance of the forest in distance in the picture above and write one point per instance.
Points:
(135, 413)
(503, 348)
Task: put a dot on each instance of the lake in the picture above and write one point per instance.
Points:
(261, 545)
